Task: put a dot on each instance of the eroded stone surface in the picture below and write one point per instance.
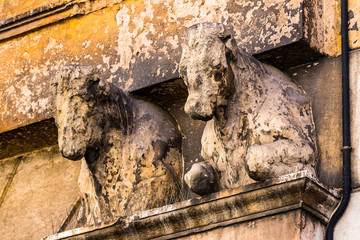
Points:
(261, 123)
(131, 148)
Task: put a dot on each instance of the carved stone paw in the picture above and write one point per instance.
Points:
(259, 162)
(201, 178)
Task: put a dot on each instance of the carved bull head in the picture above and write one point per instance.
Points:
(205, 67)
(76, 90)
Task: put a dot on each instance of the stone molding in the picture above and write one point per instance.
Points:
(289, 192)
(47, 14)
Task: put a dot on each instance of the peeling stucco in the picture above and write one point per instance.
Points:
(150, 31)
(30, 61)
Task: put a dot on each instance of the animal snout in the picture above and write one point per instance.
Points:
(198, 109)
(70, 151)
(201, 178)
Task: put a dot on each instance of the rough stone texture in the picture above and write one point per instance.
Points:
(149, 32)
(261, 123)
(132, 149)
(29, 60)
(9, 9)
(354, 24)
(289, 201)
(40, 196)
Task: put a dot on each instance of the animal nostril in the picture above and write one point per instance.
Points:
(197, 106)
(198, 80)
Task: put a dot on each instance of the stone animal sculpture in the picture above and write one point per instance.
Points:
(131, 149)
(260, 123)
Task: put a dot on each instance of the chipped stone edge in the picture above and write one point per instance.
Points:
(127, 222)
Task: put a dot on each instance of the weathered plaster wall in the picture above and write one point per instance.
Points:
(37, 193)
(322, 81)
(354, 26)
(29, 61)
(322, 25)
(135, 44)
(12, 8)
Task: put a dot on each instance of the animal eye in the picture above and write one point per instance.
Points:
(198, 80)
(218, 66)
(182, 70)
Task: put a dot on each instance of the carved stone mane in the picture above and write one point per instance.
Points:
(131, 149)
(119, 109)
(260, 123)
(109, 102)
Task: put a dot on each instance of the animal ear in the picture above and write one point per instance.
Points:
(96, 85)
(54, 84)
(103, 88)
(53, 92)
(230, 43)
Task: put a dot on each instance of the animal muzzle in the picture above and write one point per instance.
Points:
(71, 150)
(199, 110)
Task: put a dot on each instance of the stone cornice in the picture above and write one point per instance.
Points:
(290, 192)
(48, 14)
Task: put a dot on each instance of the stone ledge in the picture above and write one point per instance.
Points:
(290, 192)
(28, 138)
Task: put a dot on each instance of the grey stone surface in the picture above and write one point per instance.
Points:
(131, 149)
(260, 123)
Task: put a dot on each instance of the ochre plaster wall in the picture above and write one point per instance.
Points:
(30, 60)
(12, 8)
